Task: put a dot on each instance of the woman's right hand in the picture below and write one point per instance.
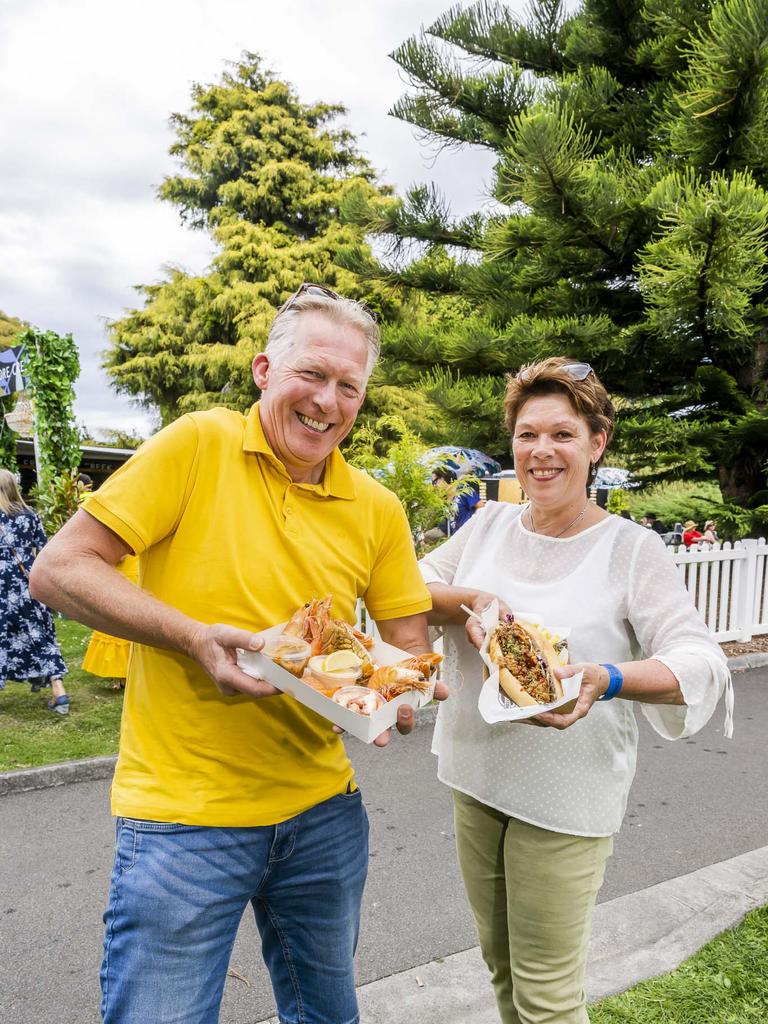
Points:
(475, 631)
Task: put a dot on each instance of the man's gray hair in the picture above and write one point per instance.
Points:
(282, 333)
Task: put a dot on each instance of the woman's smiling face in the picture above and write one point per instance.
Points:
(553, 447)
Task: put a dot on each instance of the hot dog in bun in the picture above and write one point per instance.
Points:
(526, 661)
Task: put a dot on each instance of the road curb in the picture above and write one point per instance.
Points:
(742, 662)
(93, 768)
(87, 770)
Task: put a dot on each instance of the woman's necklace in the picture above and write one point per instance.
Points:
(568, 527)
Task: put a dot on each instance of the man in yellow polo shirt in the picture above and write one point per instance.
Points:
(226, 791)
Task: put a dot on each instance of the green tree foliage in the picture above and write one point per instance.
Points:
(399, 467)
(112, 438)
(52, 365)
(265, 174)
(618, 501)
(56, 499)
(631, 225)
(10, 327)
(679, 500)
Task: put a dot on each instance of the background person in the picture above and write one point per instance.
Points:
(536, 808)
(690, 534)
(442, 479)
(655, 524)
(710, 532)
(28, 645)
(466, 500)
(228, 792)
(107, 656)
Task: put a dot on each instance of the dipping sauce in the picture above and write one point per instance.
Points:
(289, 652)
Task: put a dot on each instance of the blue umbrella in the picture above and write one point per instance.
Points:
(461, 461)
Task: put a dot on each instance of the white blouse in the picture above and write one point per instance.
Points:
(617, 587)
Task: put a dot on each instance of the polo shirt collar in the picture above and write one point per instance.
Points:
(337, 479)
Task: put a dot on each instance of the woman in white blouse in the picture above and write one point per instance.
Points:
(536, 807)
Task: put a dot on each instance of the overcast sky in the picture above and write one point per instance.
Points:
(86, 89)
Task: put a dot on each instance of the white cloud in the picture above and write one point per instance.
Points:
(86, 90)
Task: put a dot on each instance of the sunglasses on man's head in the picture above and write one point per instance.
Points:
(577, 371)
(307, 288)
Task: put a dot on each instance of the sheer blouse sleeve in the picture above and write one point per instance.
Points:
(440, 565)
(669, 629)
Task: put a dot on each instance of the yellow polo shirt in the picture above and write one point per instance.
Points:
(224, 535)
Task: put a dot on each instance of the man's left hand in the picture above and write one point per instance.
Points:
(406, 717)
(594, 683)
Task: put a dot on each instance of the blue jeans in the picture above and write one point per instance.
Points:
(177, 895)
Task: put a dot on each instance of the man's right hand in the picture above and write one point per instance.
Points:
(215, 649)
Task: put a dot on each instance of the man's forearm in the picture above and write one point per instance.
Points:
(409, 633)
(88, 589)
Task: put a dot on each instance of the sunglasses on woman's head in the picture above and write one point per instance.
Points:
(307, 288)
(577, 371)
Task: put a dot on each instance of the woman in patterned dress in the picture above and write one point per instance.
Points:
(28, 646)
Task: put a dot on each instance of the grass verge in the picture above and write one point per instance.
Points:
(726, 982)
(31, 735)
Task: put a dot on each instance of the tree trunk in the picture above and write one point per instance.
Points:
(740, 481)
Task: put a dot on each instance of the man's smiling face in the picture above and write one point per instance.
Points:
(311, 399)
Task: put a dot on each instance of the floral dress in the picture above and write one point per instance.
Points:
(28, 647)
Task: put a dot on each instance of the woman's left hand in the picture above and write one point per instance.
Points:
(594, 683)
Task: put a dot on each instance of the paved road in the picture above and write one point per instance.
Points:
(693, 804)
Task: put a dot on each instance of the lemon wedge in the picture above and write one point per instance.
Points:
(341, 661)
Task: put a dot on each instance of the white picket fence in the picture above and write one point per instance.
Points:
(729, 585)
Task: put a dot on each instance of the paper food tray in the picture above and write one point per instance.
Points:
(365, 728)
(493, 704)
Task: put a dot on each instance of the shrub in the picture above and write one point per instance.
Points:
(398, 467)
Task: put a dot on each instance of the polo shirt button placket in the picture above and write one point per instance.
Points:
(291, 525)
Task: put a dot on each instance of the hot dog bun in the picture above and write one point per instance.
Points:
(527, 662)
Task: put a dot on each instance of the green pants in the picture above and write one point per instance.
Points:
(532, 892)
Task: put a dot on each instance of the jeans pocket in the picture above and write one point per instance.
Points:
(144, 825)
(356, 794)
(125, 845)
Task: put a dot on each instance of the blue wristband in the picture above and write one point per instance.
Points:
(615, 681)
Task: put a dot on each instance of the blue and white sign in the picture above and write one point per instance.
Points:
(11, 377)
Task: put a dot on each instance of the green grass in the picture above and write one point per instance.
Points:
(726, 982)
(31, 735)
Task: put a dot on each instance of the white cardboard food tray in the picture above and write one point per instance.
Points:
(253, 663)
(493, 704)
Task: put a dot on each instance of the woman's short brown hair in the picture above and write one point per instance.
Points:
(588, 397)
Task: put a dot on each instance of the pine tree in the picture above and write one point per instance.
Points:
(265, 174)
(631, 226)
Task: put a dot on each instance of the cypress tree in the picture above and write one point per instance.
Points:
(265, 174)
